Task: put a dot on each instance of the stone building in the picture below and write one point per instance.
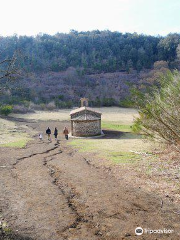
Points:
(85, 121)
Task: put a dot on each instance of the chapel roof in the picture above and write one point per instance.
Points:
(86, 117)
(82, 109)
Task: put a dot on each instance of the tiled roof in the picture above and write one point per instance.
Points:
(85, 117)
(82, 109)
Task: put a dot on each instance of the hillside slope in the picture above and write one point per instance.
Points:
(67, 87)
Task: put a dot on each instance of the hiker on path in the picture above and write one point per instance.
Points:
(40, 137)
(55, 133)
(48, 132)
(66, 132)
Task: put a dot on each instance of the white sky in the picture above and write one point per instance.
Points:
(30, 17)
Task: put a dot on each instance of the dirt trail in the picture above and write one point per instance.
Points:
(51, 192)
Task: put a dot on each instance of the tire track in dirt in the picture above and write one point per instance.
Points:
(69, 231)
(35, 154)
(35, 187)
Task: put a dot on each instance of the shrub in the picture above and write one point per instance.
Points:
(108, 102)
(127, 103)
(51, 106)
(159, 110)
(21, 109)
(6, 110)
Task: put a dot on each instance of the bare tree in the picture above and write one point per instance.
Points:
(9, 68)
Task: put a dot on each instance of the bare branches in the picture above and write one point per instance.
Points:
(8, 67)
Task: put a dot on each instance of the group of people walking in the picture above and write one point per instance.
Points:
(48, 132)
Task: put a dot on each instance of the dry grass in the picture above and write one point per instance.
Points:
(60, 115)
(123, 116)
(11, 135)
(109, 114)
(115, 149)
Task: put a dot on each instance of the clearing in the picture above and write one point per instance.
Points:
(81, 189)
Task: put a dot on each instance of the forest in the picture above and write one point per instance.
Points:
(92, 51)
(56, 70)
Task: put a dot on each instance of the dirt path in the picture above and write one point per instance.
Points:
(52, 192)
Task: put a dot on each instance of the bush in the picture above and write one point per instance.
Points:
(159, 110)
(21, 109)
(51, 106)
(127, 103)
(6, 110)
(108, 102)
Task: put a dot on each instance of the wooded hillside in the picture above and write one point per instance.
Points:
(91, 52)
(102, 65)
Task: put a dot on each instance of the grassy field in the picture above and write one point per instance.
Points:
(109, 114)
(60, 115)
(113, 118)
(116, 126)
(11, 135)
(122, 149)
(125, 150)
(123, 116)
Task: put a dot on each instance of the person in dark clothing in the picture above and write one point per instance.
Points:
(66, 132)
(55, 133)
(48, 132)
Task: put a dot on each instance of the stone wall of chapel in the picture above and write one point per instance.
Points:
(86, 128)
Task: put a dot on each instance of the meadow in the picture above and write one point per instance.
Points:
(109, 114)
(113, 118)
(130, 154)
(11, 135)
(121, 148)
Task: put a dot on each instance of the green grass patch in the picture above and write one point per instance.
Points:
(83, 146)
(124, 158)
(116, 153)
(16, 144)
(116, 126)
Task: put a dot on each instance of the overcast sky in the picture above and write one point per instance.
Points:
(30, 17)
